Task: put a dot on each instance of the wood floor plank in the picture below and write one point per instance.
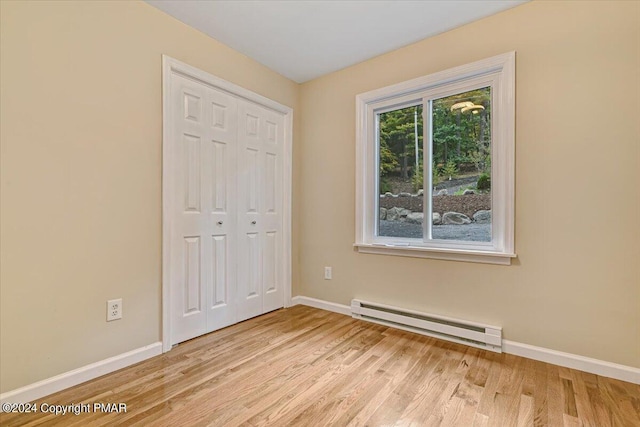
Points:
(554, 396)
(569, 398)
(508, 394)
(595, 402)
(525, 413)
(490, 382)
(540, 395)
(303, 366)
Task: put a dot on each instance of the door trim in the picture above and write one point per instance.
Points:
(171, 66)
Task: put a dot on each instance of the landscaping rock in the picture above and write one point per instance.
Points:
(392, 214)
(383, 213)
(396, 213)
(442, 192)
(415, 218)
(420, 192)
(482, 217)
(403, 213)
(455, 218)
(468, 191)
(436, 218)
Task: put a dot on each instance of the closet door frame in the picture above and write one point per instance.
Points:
(172, 67)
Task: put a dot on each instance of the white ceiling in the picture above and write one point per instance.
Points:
(303, 40)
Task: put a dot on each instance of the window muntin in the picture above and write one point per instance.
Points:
(488, 83)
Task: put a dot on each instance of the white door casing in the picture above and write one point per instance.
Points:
(226, 203)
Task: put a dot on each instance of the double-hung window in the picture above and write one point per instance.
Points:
(435, 165)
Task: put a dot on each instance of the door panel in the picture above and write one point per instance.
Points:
(219, 285)
(192, 103)
(220, 160)
(251, 184)
(253, 266)
(270, 183)
(191, 156)
(270, 258)
(192, 254)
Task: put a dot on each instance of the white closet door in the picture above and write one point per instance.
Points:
(260, 244)
(202, 247)
(221, 170)
(272, 188)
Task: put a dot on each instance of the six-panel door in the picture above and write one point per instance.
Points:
(260, 145)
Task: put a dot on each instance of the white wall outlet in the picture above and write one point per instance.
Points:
(114, 309)
(327, 273)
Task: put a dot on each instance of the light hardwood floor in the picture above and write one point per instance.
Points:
(304, 366)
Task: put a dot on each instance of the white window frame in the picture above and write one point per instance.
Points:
(497, 72)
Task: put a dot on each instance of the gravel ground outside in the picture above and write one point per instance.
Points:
(467, 232)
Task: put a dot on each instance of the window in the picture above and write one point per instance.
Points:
(435, 165)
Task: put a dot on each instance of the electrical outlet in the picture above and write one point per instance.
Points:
(114, 309)
(327, 273)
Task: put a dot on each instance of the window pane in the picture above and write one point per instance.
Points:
(400, 177)
(461, 166)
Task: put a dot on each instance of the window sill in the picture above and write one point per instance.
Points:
(486, 257)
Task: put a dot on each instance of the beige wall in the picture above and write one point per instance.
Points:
(575, 286)
(81, 175)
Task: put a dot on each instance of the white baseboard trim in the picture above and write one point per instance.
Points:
(567, 360)
(68, 379)
(573, 361)
(321, 304)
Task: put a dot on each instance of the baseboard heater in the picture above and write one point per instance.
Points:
(459, 331)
